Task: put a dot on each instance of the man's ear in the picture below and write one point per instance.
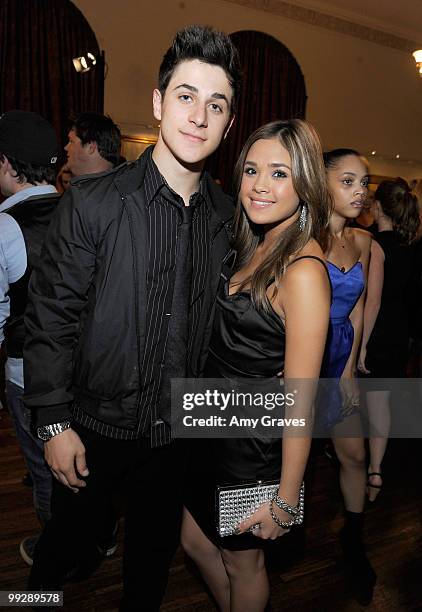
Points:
(91, 147)
(5, 164)
(228, 127)
(157, 100)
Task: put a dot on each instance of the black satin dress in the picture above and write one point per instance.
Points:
(245, 343)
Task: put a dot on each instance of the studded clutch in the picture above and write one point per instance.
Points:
(237, 503)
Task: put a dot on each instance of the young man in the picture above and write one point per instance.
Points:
(94, 144)
(28, 153)
(123, 303)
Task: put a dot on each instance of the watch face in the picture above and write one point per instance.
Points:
(43, 433)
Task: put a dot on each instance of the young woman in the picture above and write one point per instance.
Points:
(347, 256)
(271, 315)
(385, 342)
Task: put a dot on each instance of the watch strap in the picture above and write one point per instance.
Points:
(46, 432)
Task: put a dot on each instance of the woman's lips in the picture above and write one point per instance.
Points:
(258, 203)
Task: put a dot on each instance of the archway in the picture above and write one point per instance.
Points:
(273, 87)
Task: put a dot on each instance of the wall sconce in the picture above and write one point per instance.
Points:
(83, 64)
(418, 59)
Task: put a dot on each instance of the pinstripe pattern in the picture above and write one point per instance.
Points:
(163, 217)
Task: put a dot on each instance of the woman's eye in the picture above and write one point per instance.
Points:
(279, 174)
(347, 181)
(185, 97)
(365, 183)
(249, 171)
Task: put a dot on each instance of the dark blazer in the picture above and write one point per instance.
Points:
(86, 316)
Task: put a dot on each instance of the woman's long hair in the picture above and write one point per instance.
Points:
(302, 142)
(401, 206)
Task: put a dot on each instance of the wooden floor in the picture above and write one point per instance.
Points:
(312, 582)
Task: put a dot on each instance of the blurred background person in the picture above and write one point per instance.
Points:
(63, 179)
(94, 144)
(385, 343)
(28, 153)
(415, 297)
(365, 220)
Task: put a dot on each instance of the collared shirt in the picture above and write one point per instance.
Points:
(163, 217)
(13, 264)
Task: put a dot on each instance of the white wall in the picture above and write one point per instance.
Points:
(360, 94)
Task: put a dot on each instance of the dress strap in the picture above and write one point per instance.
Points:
(309, 257)
(270, 282)
(318, 259)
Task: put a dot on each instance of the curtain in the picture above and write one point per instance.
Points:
(273, 87)
(38, 40)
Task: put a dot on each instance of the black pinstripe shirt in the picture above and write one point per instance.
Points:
(164, 217)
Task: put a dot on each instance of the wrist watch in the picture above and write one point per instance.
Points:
(46, 432)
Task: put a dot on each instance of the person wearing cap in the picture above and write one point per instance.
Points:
(93, 144)
(28, 153)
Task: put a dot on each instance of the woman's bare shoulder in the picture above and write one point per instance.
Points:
(307, 262)
(362, 237)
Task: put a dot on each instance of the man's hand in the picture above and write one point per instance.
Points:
(65, 454)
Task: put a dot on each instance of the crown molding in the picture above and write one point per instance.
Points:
(329, 22)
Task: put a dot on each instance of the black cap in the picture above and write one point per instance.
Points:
(28, 137)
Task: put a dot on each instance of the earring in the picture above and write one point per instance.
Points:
(303, 217)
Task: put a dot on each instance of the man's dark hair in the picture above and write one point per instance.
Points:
(206, 45)
(25, 172)
(93, 127)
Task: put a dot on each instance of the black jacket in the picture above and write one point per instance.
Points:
(86, 316)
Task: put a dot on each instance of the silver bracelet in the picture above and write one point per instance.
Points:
(279, 522)
(283, 505)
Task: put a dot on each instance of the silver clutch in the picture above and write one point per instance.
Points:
(237, 503)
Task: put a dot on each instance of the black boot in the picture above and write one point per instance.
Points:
(361, 574)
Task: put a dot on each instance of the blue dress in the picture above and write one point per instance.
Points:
(346, 287)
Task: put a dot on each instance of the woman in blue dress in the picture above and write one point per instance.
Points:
(347, 256)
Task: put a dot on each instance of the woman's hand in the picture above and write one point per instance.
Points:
(268, 528)
(361, 361)
(350, 392)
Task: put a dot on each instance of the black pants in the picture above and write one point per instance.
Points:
(153, 480)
